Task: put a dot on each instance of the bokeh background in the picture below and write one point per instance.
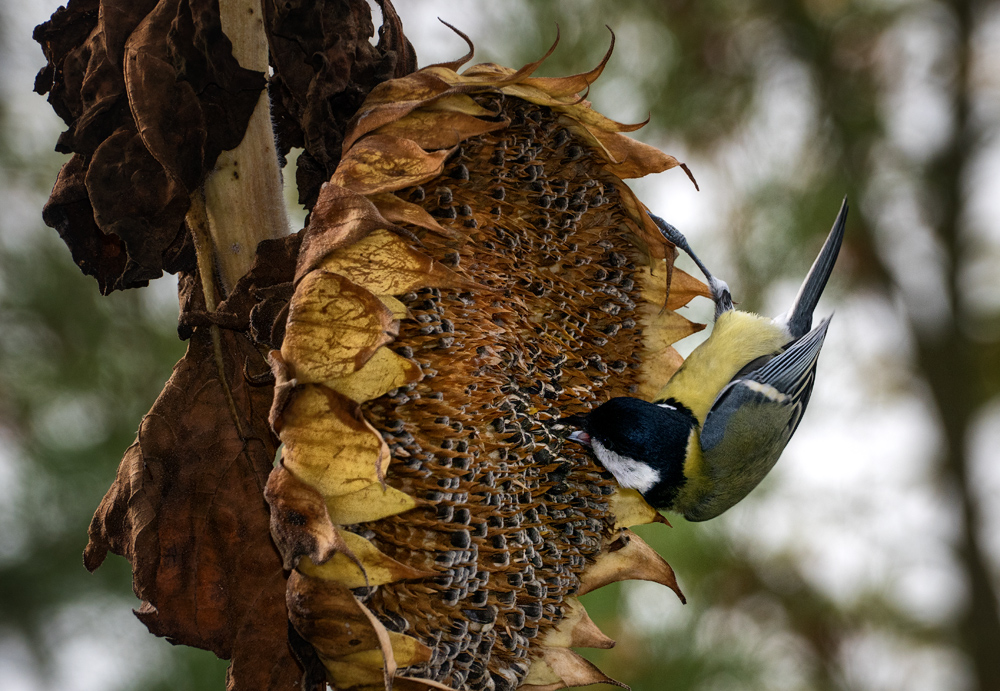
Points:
(870, 557)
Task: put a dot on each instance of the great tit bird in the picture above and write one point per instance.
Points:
(721, 422)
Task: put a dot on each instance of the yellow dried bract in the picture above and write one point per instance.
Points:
(368, 504)
(405, 649)
(384, 163)
(383, 372)
(631, 509)
(384, 263)
(439, 129)
(369, 567)
(328, 443)
(334, 327)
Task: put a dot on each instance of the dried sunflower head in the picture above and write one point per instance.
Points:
(474, 270)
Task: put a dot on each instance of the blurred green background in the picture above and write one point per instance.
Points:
(870, 557)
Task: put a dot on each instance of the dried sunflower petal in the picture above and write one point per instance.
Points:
(334, 327)
(369, 567)
(328, 443)
(577, 630)
(368, 504)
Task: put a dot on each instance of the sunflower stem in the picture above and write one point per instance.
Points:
(243, 194)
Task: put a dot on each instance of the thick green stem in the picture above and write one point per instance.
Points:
(243, 194)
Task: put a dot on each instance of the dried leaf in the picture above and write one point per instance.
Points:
(328, 443)
(379, 569)
(383, 372)
(208, 573)
(68, 210)
(385, 264)
(324, 66)
(393, 42)
(151, 94)
(334, 327)
(368, 504)
(634, 560)
(259, 300)
(150, 219)
(380, 163)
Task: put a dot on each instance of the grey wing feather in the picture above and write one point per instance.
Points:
(788, 377)
(787, 371)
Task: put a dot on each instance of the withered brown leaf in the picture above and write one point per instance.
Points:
(324, 66)
(151, 94)
(187, 510)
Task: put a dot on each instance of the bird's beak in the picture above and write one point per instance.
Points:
(581, 437)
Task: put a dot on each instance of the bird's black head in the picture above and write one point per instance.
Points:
(642, 444)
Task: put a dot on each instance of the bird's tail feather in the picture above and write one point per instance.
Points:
(799, 317)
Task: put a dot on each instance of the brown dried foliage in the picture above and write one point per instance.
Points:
(187, 508)
(324, 68)
(151, 94)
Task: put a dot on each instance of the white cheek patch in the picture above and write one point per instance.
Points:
(628, 471)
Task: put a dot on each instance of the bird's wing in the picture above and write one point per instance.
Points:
(750, 423)
(784, 383)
